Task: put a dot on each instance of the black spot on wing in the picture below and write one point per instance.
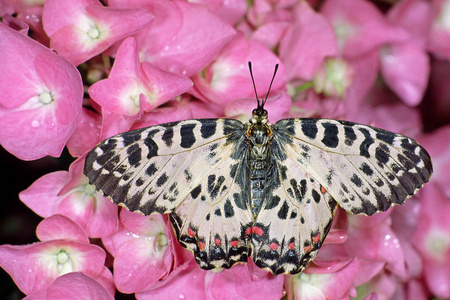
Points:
(408, 144)
(366, 169)
(150, 143)
(151, 170)
(187, 135)
(130, 137)
(316, 196)
(162, 179)
(309, 128)
(134, 154)
(167, 136)
(196, 191)
(228, 209)
(385, 136)
(368, 140)
(208, 128)
(282, 213)
(330, 137)
(382, 154)
(298, 188)
(350, 135)
(356, 180)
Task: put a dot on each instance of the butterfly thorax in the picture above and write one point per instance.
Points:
(259, 136)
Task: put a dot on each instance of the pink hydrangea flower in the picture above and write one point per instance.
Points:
(133, 88)
(41, 97)
(70, 194)
(81, 29)
(64, 249)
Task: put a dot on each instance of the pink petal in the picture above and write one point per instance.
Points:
(360, 27)
(35, 267)
(183, 38)
(327, 284)
(438, 146)
(187, 284)
(306, 43)
(58, 227)
(164, 85)
(132, 87)
(80, 30)
(365, 72)
(270, 34)
(96, 214)
(77, 286)
(179, 110)
(439, 35)
(87, 133)
(229, 11)
(140, 224)
(138, 265)
(44, 96)
(227, 78)
(237, 283)
(42, 195)
(406, 69)
(415, 17)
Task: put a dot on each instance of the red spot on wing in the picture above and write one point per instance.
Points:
(291, 246)
(217, 242)
(191, 232)
(316, 238)
(323, 190)
(273, 246)
(257, 230)
(234, 243)
(201, 246)
(307, 248)
(248, 231)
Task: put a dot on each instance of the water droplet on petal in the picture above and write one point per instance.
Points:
(35, 124)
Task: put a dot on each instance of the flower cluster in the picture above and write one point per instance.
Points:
(75, 72)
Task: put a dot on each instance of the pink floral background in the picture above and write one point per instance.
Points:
(75, 72)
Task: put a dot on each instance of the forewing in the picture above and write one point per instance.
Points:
(152, 170)
(365, 169)
(295, 219)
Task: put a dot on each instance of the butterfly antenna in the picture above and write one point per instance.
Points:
(254, 86)
(270, 86)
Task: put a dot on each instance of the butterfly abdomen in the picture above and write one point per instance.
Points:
(258, 175)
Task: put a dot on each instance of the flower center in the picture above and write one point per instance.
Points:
(64, 263)
(45, 97)
(93, 33)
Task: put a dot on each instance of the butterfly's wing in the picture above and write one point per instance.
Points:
(192, 169)
(317, 162)
(294, 220)
(365, 169)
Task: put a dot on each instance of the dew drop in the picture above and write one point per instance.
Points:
(35, 124)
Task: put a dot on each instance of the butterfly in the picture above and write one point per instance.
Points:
(260, 190)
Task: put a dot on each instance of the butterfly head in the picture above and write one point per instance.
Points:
(259, 114)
